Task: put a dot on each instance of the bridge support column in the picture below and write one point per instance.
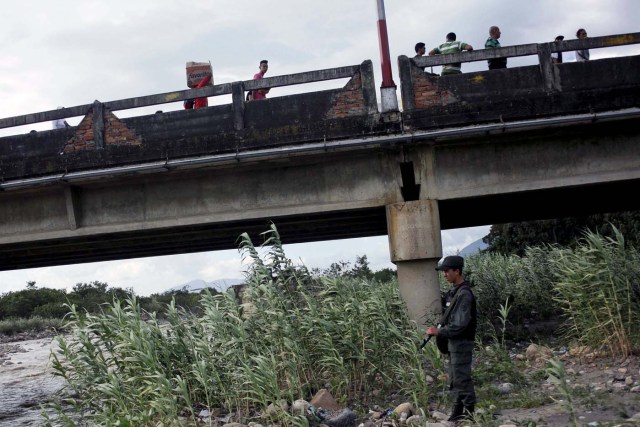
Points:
(416, 246)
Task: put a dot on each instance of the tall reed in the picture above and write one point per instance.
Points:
(598, 287)
(291, 335)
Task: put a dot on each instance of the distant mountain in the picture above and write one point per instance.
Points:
(197, 285)
(473, 248)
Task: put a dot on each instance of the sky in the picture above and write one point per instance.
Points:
(68, 53)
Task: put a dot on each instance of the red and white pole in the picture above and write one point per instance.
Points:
(388, 98)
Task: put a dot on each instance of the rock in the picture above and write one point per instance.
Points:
(636, 389)
(416, 420)
(345, 419)
(404, 408)
(299, 407)
(537, 352)
(376, 415)
(324, 399)
(234, 425)
(276, 408)
(505, 388)
(440, 416)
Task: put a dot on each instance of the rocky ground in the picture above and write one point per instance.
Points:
(605, 391)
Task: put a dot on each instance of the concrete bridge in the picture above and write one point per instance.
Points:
(478, 148)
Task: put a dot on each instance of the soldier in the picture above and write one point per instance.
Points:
(458, 326)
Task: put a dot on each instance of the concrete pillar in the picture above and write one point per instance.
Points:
(416, 246)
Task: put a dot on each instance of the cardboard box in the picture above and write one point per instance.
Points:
(196, 71)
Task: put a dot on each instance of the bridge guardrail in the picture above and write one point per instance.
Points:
(237, 89)
(412, 68)
(529, 49)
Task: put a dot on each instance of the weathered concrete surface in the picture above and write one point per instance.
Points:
(517, 93)
(416, 246)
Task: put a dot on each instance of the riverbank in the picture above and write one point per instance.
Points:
(606, 391)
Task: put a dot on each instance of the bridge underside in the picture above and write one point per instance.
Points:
(459, 213)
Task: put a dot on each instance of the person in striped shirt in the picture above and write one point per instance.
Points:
(451, 46)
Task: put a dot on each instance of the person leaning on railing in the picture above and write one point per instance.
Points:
(448, 47)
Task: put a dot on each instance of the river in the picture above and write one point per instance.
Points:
(26, 381)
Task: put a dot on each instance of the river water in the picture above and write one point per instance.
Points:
(26, 382)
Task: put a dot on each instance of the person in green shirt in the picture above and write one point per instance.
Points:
(493, 43)
(451, 46)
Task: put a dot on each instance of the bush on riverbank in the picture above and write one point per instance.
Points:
(11, 327)
(21, 310)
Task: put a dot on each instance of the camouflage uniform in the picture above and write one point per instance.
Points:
(460, 328)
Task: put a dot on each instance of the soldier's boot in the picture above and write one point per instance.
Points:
(457, 413)
(467, 411)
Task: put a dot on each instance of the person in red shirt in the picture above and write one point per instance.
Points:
(261, 93)
(198, 102)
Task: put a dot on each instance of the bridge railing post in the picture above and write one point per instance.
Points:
(549, 72)
(237, 100)
(368, 87)
(406, 83)
(98, 124)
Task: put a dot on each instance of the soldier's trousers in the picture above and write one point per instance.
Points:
(460, 381)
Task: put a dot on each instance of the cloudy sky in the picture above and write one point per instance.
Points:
(68, 52)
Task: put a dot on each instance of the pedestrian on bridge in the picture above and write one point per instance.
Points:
(582, 55)
(261, 93)
(556, 57)
(451, 46)
(60, 123)
(493, 43)
(198, 102)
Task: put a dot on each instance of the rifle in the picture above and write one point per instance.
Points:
(425, 341)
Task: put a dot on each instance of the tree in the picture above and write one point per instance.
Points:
(361, 268)
(514, 238)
